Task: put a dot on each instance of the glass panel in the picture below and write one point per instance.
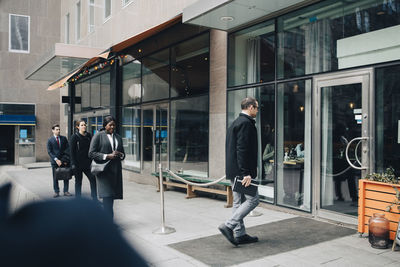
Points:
(92, 125)
(26, 142)
(189, 136)
(340, 123)
(131, 83)
(85, 95)
(148, 135)
(387, 119)
(161, 138)
(19, 33)
(252, 55)
(156, 76)
(131, 118)
(105, 89)
(308, 38)
(17, 109)
(78, 93)
(95, 92)
(190, 67)
(265, 123)
(294, 144)
(78, 21)
(107, 8)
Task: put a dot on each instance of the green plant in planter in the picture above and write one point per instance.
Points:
(396, 202)
(385, 177)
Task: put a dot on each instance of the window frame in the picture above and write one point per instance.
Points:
(78, 20)
(105, 19)
(9, 34)
(67, 28)
(91, 27)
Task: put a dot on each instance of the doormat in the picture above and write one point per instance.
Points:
(274, 238)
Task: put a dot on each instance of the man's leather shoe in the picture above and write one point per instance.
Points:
(67, 194)
(56, 195)
(246, 239)
(228, 233)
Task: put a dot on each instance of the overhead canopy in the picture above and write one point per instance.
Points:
(230, 14)
(17, 120)
(117, 48)
(59, 61)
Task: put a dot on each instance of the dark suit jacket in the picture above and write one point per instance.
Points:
(109, 182)
(56, 151)
(241, 148)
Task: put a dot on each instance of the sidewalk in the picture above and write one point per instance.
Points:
(196, 220)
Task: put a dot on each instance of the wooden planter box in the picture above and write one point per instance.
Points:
(374, 197)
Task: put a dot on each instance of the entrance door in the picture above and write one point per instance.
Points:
(155, 137)
(343, 145)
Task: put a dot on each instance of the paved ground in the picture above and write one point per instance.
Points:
(139, 215)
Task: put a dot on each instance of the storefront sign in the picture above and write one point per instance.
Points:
(23, 133)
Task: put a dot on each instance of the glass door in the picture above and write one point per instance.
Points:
(343, 147)
(155, 137)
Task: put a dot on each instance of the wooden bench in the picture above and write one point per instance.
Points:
(168, 180)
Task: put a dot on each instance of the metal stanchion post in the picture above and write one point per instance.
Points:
(164, 229)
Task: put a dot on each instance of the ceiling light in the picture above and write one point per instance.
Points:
(227, 18)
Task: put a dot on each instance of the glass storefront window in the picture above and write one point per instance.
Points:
(190, 67)
(131, 83)
(95, 92)
(85, 94)
(156, 76)
(130, 132)
(316, 39)
(189, 136)
(252, 55)
(294, 144)
(387, 119)
(78, 93)
(105, 89)
(265, 123)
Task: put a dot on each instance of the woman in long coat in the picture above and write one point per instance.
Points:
(106, 145)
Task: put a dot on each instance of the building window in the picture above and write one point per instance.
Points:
(131, 136)
(78, 21)
(107, 9)
(131, 83)
(67, 23)
(190, 67)
(252, 55)
(91, 15)
(189, 136)
(19, 33)
(126, 2)
(156, 76)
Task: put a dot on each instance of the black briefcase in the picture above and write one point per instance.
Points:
(63, 173)
(251, 190)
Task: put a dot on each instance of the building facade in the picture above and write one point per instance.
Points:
(324, 73)
(27, 110)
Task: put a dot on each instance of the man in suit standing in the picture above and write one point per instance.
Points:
(56, 147)
(241, 160)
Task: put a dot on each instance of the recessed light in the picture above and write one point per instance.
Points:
(227, 18)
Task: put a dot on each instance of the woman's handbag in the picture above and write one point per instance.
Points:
(63, 173)
(97, 168)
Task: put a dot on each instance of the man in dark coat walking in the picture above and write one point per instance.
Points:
(241, 160)
(57, 148)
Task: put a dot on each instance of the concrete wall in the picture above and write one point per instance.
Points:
(218, 83)
(44, 32)
(125, 22)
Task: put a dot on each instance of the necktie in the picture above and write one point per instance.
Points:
(58, 141)
(113, 142)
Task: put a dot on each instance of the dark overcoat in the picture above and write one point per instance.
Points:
(79, 147)
(109, 182)
(241, 148)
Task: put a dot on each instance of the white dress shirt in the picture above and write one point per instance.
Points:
(111, 139)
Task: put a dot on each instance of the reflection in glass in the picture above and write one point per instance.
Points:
(308, 38)
(148, 135)
(131, 83)
(252, 55)
(130, 132)
(294, 144)
(95, 92)
(387, 114)
(340, 123)
(161, 135)
(189, 136)
(156, 76)
(105, 89)
(265, 123)
(78, 93)
(190, 67)
(85, 95)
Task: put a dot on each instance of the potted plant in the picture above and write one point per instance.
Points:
(379, 193)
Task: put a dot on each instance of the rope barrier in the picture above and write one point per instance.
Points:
(196, 184)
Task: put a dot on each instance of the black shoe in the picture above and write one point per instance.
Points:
(246, 239)
(228, 233)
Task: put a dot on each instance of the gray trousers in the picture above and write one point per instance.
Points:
(242, 205)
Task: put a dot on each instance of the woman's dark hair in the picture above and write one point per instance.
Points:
(78, 122)
(107, 120)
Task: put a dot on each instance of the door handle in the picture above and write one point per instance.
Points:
(347, 153)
